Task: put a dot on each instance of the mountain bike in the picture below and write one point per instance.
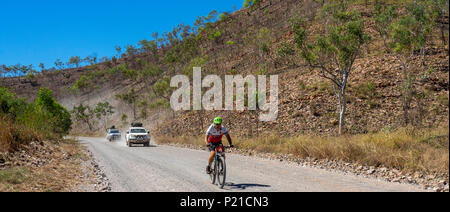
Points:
(219, 169)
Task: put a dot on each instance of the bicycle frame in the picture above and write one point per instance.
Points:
(215, 173)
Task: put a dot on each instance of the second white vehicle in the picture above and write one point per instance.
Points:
(113, 134)
(137, 135)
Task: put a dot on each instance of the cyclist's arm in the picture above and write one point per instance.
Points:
(206, 139)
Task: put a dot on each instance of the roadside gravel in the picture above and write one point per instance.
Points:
(430, 182)
(174, 169)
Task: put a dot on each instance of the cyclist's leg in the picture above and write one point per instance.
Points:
(212, 154)
(208, 166)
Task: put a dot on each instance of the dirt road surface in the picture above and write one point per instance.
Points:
(172, 169)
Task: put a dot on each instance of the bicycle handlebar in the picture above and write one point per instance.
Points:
(226, 147)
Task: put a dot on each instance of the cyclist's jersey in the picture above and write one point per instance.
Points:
(215, 135)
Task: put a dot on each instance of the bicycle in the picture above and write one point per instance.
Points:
(219, 168)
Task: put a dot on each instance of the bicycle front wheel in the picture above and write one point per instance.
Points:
(212, 175)
(221, 172)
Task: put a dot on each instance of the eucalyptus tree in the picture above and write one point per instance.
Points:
(333, 53)
(59, 64)
(102, 111)
(409, 35)
(384, 16)
(84, 114)
(130, 98)
(75, 60)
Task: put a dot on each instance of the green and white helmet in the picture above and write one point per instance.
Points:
(218, 120)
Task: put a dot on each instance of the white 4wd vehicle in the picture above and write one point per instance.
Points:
(137, 135)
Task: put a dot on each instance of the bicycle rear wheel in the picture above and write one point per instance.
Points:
(221, 172)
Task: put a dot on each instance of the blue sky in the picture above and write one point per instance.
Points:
(35, 31)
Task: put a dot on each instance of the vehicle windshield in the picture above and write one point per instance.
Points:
(114, 131)
(138, 131)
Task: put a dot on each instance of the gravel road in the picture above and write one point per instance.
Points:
(172, 169)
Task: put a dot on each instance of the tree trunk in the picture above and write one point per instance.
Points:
(342, 108)
(443, 35)
(386, 46)
(106, 123)
(89, 125)
(200, 115)
(134, 111)
(342, 103)
(257, 124)
(249, 125)
(405, 92)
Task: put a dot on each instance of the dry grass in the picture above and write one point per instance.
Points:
(60, 161)
(13, 135)
(405, 149)
(63, 173)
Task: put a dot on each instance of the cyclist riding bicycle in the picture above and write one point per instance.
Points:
(214, 139)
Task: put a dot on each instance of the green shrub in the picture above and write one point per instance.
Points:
(195, 62)
(285, 50)
(262, 69)
(82, 83)
(131, 74)
(230, 42)
(44, 115)
(150, 70)
(57, 117)
(10, 105)
(264, 39)
(214, 35)
(366, 90)
(251, 3)
(223, 16)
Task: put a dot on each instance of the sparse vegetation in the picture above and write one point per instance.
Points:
(230, 42)
(285, 50)
(366, 90)
(333, 53)
(410, 34)
(332, 45)
(384, 16)
(59, 173)
(405, 149)
(129, 98)
(84, 114)
(215, 35)
(102, 111)
(265, 39)
(76, 60)
(251, 3)
(23, 122)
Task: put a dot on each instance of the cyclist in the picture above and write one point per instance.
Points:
(214, 139)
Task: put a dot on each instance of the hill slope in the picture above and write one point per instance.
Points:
(307, 104)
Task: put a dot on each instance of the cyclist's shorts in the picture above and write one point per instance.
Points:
(215, 145)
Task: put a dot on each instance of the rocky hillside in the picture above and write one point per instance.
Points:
(232, 45)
